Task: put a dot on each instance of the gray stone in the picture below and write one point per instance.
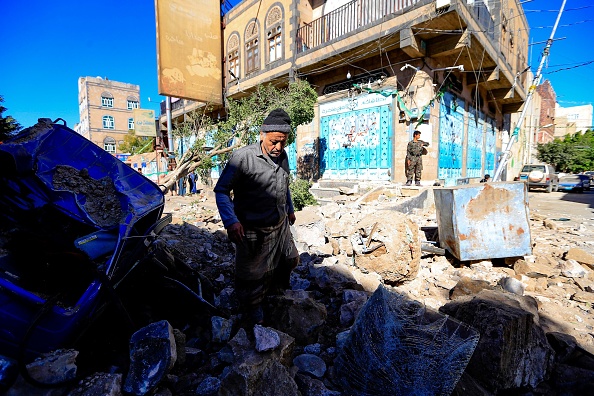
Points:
(221, 329)
(335, 277)
(55, 367)
(99, 384)
(341, 338)
(314, 349)
(310, 364)
(513, 351)
(266, 339)
(152, 354)
(208, 387)
(572, 269)
(512, 285)
(309, 386)
(299, 316)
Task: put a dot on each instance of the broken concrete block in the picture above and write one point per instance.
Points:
(299, 316)
(513, 351)
(390, 246)
(99, 384)
(416, 350)
(152, 354)
(309, 386)
(572, 269)
(584, 297)
(468, 287)
(55, 367)
(535, 270)
(581, 256)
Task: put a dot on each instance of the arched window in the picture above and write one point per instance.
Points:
(108, 122)
(274, 34)
(106, 99)
(233, 57)
(252, 52)
(109, 145)
(132, 103)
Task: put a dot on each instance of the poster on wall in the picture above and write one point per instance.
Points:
(189, 49)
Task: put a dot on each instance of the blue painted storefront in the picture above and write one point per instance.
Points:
(474, 152)
(356, 139)
(451, 136)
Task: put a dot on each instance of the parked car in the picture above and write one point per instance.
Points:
(590, 174)
(577, 183)
(540, 176)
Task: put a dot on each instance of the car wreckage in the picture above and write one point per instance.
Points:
(77, 226)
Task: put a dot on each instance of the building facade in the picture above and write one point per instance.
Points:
(546, 130)
(452, 69)
(570, 120)
(106, 111)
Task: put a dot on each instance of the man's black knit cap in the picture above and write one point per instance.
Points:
(277, 121)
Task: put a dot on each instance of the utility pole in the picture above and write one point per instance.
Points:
(535, 82)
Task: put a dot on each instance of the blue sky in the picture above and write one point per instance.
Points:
(48, 45)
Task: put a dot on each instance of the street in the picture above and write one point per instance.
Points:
(576, 207)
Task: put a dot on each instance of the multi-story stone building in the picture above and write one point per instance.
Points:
(453, 69)
(106, 110)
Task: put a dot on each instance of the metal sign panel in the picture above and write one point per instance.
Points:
(189, 49)
(144, 122)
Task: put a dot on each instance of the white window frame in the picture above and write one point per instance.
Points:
(275, 41)
(106, 102)
(132, 104)
(108, 122)
(130, 123)
(109, 145)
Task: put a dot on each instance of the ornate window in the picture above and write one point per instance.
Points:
(233, 57)
(274, 34)
(106, 99)
(108, 122)
(109, 145)
(132, 103)
(252, 52)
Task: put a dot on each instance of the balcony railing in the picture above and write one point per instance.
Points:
(359, 13)
(345, 20)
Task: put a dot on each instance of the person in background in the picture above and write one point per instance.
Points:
(259, 216)
(191, 183)
(486, 178)
(414, 161)
(140, 170)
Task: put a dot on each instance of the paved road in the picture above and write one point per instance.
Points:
(577, 207)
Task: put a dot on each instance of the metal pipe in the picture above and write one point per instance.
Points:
(169, 127)
(535, 83)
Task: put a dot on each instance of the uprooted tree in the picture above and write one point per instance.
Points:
(241, 126)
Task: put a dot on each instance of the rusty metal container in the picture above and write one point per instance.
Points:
(484, 221)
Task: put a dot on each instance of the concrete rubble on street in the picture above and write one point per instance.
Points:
(522, 324)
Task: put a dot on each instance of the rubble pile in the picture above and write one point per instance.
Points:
(521, 324)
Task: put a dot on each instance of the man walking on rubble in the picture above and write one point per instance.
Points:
(258, 217)
(414, 162)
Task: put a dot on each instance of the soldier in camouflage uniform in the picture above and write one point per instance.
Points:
(414, 161)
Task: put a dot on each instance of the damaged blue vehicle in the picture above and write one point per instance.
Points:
(75, 223)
